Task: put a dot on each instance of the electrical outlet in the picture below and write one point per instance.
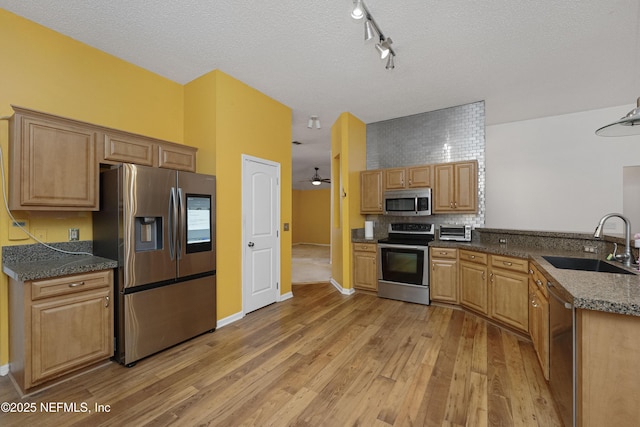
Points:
(74, 234)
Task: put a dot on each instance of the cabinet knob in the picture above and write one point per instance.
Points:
(106, 301)
(472, 256)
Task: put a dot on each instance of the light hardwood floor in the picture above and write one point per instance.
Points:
(319, 359)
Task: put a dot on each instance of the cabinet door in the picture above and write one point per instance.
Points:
(473, 286)
(53, 165)
(123, 148)
(70, 332)
(444, 188)
(509, 302)
(395, 179)
(177, 157)
(539, 326)
(365, 271)
(466, 187)
(444, 280)
(371, 191)
(419, 176)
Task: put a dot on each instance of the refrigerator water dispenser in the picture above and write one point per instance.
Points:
(148, 232)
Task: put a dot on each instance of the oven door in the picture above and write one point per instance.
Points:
(404, 264)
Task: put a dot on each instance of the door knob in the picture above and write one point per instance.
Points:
(251, 244)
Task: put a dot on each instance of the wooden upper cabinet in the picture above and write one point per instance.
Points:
(409, 177)
(371, 192)
(456, 187)
(53, 164)
(394, 179)
(123, 148)
(419, 176)
(179, 157)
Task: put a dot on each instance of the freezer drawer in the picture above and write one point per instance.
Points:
(159, 318)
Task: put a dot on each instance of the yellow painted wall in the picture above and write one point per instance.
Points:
(311, 216)
(245, 121)
(46, 71)
(348, 149)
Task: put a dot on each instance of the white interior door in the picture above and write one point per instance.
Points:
(261, 236)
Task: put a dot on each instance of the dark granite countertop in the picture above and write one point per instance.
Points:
(31, 262)
(74, 264)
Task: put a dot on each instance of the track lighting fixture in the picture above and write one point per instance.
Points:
(313, 120)
(371, 29)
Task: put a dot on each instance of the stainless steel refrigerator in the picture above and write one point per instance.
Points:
(160, 226)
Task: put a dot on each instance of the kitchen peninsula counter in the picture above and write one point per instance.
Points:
(608, 292)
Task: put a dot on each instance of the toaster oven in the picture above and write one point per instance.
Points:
(460, 233)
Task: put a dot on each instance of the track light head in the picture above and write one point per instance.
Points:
(384, 48)
(358, 10)
(369, 30)
(390, 65)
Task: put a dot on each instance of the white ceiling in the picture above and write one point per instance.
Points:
(526, 59)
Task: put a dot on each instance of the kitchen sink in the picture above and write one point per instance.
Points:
(585, 264)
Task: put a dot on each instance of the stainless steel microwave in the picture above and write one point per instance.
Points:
(408, 202)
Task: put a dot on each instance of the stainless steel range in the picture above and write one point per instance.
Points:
(403, 270)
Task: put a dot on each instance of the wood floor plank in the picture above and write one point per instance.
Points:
(318, 359)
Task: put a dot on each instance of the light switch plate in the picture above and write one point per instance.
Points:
(74, 234)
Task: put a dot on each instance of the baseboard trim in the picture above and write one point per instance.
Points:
(339, 287)
(230, 319)
(285, 297)
(4, 370)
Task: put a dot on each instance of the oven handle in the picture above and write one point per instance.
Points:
(387, 245)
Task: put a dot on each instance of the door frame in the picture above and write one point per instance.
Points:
(245, 158)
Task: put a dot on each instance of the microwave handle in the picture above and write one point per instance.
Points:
(415, 204)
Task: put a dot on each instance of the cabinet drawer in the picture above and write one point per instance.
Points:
(69, 284)
(509, 263)
(479, 257)
(539, 280)
(365, 247)
(444, 253)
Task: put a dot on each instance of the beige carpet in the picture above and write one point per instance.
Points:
(310, 264)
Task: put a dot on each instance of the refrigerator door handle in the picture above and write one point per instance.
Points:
(172, 223)
(181, 223)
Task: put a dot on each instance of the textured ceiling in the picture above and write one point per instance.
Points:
(526, 59)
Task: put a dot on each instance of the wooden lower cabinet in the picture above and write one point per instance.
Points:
(608, 377)
(473, 281)
(509, 286)
(365, 266)
(539, 317)
(443, 278)
(59, 326)
(495, 286)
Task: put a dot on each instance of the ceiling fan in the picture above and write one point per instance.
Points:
(317, 180)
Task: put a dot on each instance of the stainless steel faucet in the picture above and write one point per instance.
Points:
(625, 258)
